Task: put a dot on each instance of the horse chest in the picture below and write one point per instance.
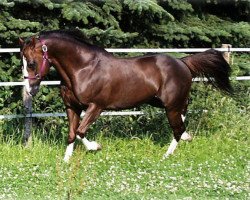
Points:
(70, 99)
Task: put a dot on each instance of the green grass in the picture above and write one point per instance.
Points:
(211, 167)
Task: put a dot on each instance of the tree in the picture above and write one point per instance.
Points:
(128, 23)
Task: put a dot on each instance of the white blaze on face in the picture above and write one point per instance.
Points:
(26, 74)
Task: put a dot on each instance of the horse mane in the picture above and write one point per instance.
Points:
(75, 34)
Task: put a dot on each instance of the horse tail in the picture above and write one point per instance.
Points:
(211, 65)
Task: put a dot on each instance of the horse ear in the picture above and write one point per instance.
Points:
(21, 41)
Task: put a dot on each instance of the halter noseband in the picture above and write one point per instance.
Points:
(42, 68)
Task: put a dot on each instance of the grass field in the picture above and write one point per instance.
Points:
(210, 167)
(215, 165)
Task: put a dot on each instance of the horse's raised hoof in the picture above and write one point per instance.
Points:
(99, 147)
(93, 146)
(186, 137)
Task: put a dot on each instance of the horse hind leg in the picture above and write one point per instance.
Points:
(185, 136)
(178, 128)
(184, 111)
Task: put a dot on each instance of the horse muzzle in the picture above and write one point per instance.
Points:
(34, 90)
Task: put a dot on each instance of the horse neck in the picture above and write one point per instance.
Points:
(68, 57)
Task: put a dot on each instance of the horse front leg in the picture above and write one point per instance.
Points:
(73, 118)
(92, 113)
(89, 145)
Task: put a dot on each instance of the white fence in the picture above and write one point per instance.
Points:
(143, 50)
(189, 50)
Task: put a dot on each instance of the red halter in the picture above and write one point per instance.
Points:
(45, 59)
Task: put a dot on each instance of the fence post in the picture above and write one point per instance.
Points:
(227, 54)
(27, 101)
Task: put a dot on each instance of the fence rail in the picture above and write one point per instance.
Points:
(145, 50)
(114, 113)
(239, 78)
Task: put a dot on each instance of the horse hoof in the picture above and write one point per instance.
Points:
(94, 146)
(99, 147)
(165, 156)
(186, 137)
(66, 159)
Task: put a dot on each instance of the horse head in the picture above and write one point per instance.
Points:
(36, 64)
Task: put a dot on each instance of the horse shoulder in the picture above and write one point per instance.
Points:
(69, 97)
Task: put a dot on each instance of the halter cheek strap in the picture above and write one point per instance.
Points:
(45, 59)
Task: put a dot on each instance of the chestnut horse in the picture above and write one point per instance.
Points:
(94, 80)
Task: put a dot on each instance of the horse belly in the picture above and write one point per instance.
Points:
(136, 84)
(126, 103)
(131, 94)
